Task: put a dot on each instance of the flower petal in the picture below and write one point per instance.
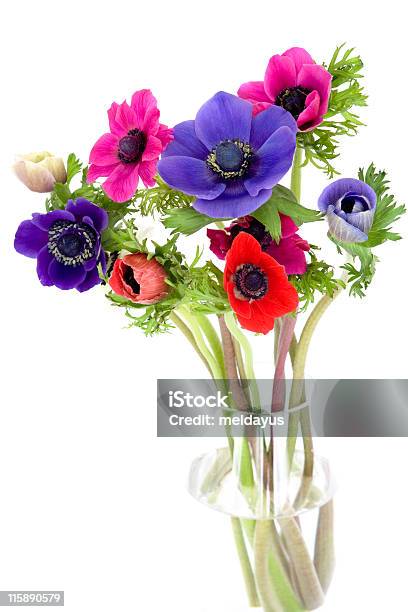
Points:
(82, 208)
(317, 78)
(190, 175)
(267, 122)
(44, 221)
(115, 127)
(126, 117)
(289, 254)
(95, 172)
(235, 201)
(337, 189)
(288, 226)
(144, 105)
(147, 172)
(153, 149)
(254, 91)
(223, 117)
(299, 56)
(105, 150)
(164, 134)
(91, 280)
(343, 231)
(259, 323)
(122, 183)
(186, 142)
(43, 263)
(29, 239)
(273, 160)
(362, 220)
(280, 74)
(310, 117)
(65, 277)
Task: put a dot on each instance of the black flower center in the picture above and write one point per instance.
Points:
(72, 243)
(130, 280)
(250, 282)
(230, 159)
(347, 204)
(132, 146)
(229, 156)
(293, 99)
(352, 203)
(256, 229)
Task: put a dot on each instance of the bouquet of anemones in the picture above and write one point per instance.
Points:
(218, 177)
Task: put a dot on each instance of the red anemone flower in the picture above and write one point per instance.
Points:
(257, 286)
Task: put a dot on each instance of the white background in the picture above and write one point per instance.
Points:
(91, 502)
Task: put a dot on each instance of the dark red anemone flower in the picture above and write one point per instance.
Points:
(258, 288)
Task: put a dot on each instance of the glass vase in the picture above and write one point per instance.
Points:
(281, 508)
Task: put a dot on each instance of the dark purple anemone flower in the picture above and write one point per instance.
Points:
(66, 244)
(349, 205)
(227, 159)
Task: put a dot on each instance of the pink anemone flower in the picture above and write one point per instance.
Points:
(131, 149)
(294, 81)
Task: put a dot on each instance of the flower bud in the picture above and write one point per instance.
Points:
(40, 171)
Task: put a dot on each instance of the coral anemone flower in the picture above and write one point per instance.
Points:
(296, 83)
(139, 279)
(131, 149)
(257, 286)
(289, 252)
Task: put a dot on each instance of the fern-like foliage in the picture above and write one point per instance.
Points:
(387, 211)
(160, 199)
(318, 278)
(347, 94)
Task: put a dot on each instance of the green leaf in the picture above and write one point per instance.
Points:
(283, 201)
(186, 221)
(62, 191)
(387, 210)
(358, 278)
(74, 167)
(268, 214)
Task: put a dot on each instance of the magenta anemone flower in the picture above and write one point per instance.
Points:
(131, 149)
(294, 81)
(228, 159)
(290, 252)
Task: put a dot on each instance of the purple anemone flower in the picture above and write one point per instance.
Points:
(228, 159)
(349, 205)
(66, 244)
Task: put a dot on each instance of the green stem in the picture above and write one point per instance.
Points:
(243, 341)
(299, 374)
(197, 342)
(190, 337)
(296, 176)
(216, 367)
(213, 340)
(245, 563)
